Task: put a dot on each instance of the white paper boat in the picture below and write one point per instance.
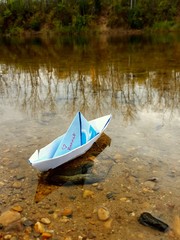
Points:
(76, 141)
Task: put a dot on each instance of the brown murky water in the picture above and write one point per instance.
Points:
(43, 83)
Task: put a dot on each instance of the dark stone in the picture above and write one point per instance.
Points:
(28, 223)
(147, 219)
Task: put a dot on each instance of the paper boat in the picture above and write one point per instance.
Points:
(78, 139)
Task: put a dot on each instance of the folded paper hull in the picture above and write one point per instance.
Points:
(50, 163)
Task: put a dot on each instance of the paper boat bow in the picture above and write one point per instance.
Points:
(77, 140)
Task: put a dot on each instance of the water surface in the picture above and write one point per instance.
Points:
(44, 82)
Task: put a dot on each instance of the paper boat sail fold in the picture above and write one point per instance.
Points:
(79, 137)
(79, 133)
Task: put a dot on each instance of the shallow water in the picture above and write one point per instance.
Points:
(44, 82)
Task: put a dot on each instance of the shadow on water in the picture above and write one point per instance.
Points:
(87, 169)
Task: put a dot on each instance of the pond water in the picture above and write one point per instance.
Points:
(43, 83)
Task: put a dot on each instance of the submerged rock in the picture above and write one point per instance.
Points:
(9, 217)
(103, 214)
(147, 219)
(176, 225)
(86, 169)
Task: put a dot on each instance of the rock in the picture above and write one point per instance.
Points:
(14, 238)
(108, 223)
(39, 227)
(68, 212)
(8, 236)
(45, 220)
(64, 219)
(90, 235)
(14, 227)
(2, 184)
(95, 184)
(88, 215)
(176, 225)
(68, 238)
(16, 184)
(123, 199)
(153, 179)
(149, 184)
(103, 214)
(27, 223)
(117, 157)
(147, 219)
(17, 208)
(111, 195)
(100, 187)
(9, 217)
(88, 193)
(46, 235)
(20, 177)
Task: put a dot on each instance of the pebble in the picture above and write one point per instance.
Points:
(176, 225)
(17, 208)
(117, 157)
(123, 199)
(16, 184)
(20, 177)
(45, 221)
(68, 238)
(8, 217)
(88, 193)
(64, 219)
(39, 227)
(2, 184)
(103, 214)
(100, 187)
(8, 236)
(108, 223)
(95, 184)
(27, 222)
(46, 235)
(68, 212)
(149, 184)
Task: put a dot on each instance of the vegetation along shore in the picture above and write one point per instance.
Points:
(69, 16)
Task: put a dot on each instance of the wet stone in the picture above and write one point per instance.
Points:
(149, 184)
(88, 194)
(176, 225)
(68, 212)
(39, 227)
(103, 214)
(14, 227)
(9, 217)
(147, 219)
(28, 223)
(68, 238)
(108, 223)
(45, 221)
(46, 235)
(19, 177)
(17, 208)
(17, 184)
(14, 238)
(111, 195)
(8, 236)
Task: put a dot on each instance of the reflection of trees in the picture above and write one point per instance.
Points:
(42, 91)
(79, 78)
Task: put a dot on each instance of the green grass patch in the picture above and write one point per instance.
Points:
(164, 26)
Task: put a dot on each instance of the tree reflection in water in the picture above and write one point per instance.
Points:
(70, 78)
